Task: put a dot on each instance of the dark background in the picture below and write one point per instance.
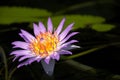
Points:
(106, 60)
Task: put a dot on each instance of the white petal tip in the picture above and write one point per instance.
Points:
(74, 46)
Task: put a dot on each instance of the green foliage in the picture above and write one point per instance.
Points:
(10, 15)
(81, 21)
(102, 27)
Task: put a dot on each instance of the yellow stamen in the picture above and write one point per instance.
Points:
(44, 44)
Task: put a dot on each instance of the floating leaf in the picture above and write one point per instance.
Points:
(102, 27)
(10, 15)
(81, 21)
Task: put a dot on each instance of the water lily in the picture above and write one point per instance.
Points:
(46, 45)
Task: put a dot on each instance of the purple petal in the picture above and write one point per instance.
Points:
(47, 59)
(42, 27)
(66, 31)
(29, 61)
(50, 25)
(24, 37)
(23, 63)
(67, 43)
(32, 60)
(20, 52)
(20, 44)
(70, 35)
(20, 65)
(36, 29)
(15, 58)
(57, 56)
(69, 47)
(64, 52)
(38, 60)
(58, 30)
(25, 57)
(52, 56)
(27, 35)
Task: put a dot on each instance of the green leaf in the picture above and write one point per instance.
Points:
(102, 27)
(10, 15)
(81, 21)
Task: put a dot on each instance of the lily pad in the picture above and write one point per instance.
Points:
(10, 15)
(102, 27)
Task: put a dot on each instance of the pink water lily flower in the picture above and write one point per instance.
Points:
(46, 44)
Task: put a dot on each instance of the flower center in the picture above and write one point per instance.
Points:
(44, 44)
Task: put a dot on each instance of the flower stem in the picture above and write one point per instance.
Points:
(5, 62)
(48, 68)
(11, 73)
